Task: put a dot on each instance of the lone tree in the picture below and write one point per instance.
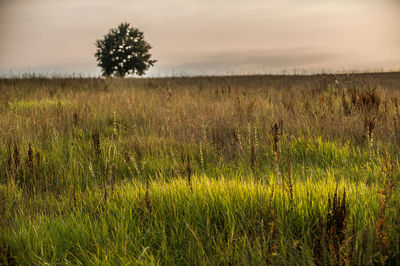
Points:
(123, 51)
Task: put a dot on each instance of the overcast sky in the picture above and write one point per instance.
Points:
(204, 36)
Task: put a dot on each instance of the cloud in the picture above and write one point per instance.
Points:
(255, 60)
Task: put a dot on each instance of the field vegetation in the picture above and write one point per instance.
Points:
(243, 170)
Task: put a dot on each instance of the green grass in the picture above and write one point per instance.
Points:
(185, 172)
(217, 221)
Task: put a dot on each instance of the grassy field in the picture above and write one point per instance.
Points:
(251, 170)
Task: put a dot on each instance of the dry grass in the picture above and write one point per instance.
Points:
(202, 170)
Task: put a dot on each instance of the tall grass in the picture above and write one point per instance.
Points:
(208, 170)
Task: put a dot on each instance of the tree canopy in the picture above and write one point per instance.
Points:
(123, 51)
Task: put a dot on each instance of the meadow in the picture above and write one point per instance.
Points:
(240, 170)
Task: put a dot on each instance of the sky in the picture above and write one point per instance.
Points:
(203, 37)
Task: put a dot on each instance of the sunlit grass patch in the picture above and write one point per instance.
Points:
(211, 215)
(39, 104)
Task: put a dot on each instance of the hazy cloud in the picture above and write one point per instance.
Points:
(256, 61)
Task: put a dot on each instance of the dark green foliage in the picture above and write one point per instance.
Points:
(336, 219)
(123, 51)
(96, 144)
